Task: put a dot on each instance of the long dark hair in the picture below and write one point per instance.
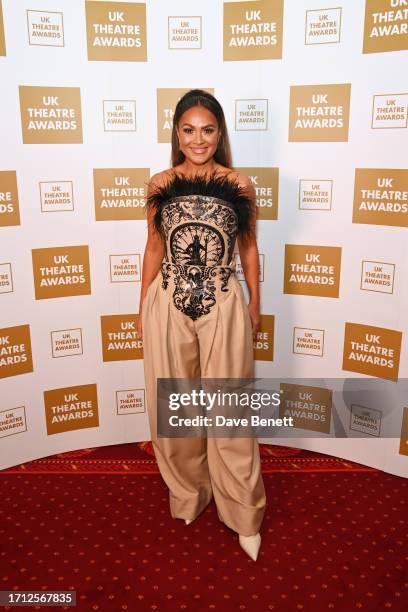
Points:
(199, 97)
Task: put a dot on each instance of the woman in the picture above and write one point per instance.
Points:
(193, 317)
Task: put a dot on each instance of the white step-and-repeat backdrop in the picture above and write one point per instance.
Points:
(316, 102)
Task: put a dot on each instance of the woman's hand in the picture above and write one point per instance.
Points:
(254, 313)
(139, 330)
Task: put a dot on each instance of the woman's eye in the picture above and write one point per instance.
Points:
(207, 130)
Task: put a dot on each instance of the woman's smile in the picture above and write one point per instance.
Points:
(198, 150)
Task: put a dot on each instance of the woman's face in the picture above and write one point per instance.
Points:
(198, 134)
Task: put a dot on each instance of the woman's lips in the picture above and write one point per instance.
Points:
(198, 150)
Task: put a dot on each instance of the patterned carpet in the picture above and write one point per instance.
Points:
(138, 458)
(334, 538)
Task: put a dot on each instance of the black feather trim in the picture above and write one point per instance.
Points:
(213, 185)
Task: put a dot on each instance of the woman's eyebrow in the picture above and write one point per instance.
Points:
(204, 126)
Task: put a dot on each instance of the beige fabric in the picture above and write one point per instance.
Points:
(216, 345)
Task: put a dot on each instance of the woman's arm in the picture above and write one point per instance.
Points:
(248, 251)
(154, 250)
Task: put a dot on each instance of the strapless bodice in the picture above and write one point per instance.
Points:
(199, 230)
(199, 220)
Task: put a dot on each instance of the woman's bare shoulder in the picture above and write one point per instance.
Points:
(232, 175)
(161, 178)
(243, 180)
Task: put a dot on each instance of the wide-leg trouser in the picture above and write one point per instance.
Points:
(216, 345)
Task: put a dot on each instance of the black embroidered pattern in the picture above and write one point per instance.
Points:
(195, 286)
(165, 270)
(196, 238)
(199, 219)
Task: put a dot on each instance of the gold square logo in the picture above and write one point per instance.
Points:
(9, 207)
(61, 271)
(385, 26)
(381, 196)
(403, 449)
(312, 270)
(116, 31)
(370, 350)
(15, 351)
(71, 408)
(120, 193)
(253, 30)
(319, 113)
(263, 343)
(310, 407)
(119, 339)
(266, 184)
(2, 40)
(50, 115)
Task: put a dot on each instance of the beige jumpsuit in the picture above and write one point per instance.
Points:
(196, 324)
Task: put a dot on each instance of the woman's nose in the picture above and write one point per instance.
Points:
(198, 137)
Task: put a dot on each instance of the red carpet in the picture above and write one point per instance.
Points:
(139, 458)
(334, 537)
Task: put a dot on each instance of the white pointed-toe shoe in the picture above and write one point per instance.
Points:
(188, 521)
(251, 545)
